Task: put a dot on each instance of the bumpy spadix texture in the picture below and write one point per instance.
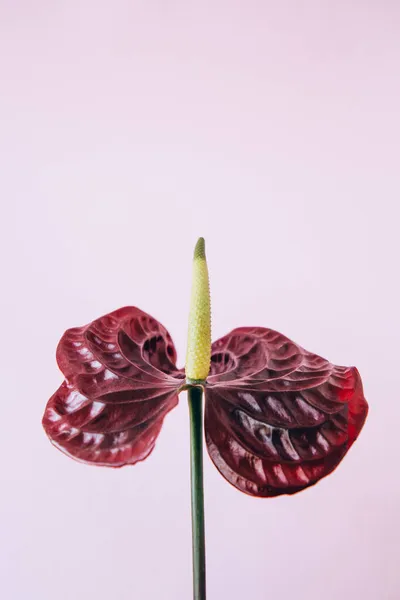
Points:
(199, 334)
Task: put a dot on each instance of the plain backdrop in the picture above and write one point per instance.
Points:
(127, 130)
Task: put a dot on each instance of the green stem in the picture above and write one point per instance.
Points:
(195, 398)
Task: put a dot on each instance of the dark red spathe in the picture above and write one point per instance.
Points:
(120, 382)
(277, 418)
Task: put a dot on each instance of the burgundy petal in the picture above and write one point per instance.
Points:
(278, 418)
(120, 382)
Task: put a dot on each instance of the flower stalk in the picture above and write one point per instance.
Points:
(195, 399)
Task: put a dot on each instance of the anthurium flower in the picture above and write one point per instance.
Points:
(277, 417)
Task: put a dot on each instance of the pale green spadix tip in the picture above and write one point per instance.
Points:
(199, 335)
(200, 249)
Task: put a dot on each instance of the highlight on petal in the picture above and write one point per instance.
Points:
(120, 381)
(278, 418)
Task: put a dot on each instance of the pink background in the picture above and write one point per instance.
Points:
(128, 129)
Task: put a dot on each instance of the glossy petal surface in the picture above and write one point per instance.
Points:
(120, 382)
(278, 418)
